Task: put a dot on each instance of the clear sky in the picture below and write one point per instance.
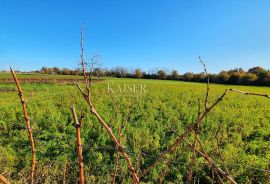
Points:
(136, 33)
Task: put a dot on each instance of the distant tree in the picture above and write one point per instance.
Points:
(235, 78)
(50, 71)
(162, 74)
(199, 77)
(56, 70)
(223, 77)
(249, 78)
(175, 75)
(98, 72)
(257, 70)
(77, 72)
(188, 76)
(66, 71)
(44, 70)
(138, 73)
(120, 72)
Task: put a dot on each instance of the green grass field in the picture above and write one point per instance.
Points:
(244, 131)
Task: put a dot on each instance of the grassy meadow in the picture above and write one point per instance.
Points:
(241, 123)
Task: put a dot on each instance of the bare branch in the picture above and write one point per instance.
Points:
(79, 143)
(207, 86)
(174, 147)
(28, 125)
(100, 119)
(250, 93)
(82, 56)
(208, 159)
(116, 167)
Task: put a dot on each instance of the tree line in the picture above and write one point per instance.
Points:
(253, 76)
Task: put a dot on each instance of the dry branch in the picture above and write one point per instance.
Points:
(115, 167)
(191, 127)
(87, 97)
(250, 93)
(208, 159)
(79, 143)
(3, 179)
(207, 86)
(28, 125)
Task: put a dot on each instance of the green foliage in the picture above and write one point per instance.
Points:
(148, 116)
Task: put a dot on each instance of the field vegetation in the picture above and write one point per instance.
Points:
(239, 124)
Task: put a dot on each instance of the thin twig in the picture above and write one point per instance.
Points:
(211, 162)
(28, 125)
(115, 167)
(207, 86)
(250, 93)
(208, 159)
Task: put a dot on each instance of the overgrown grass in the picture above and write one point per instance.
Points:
(244, 133)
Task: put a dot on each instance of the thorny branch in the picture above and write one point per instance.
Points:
(28, 125)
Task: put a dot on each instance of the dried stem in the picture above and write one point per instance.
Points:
(207, 86)
(100, 119)
(28, 125)
(174, 147)
(211, 162)
(79, 143)
(83, 62)
(250, 93)
(208, 159)
(3, 179)
(115, 167)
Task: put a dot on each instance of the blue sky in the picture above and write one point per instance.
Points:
(136, 33)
